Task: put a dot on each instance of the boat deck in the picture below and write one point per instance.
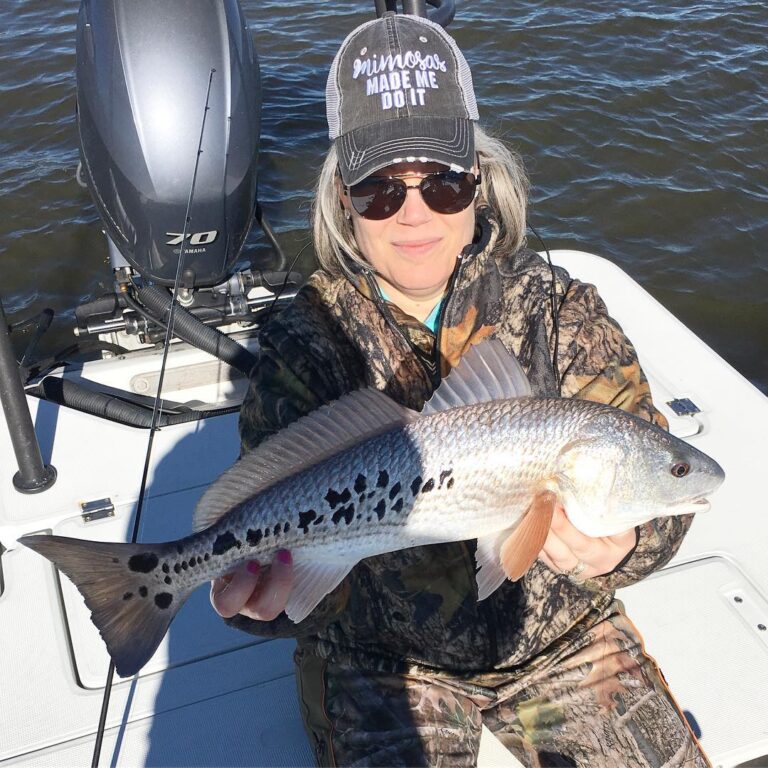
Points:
(213, 696)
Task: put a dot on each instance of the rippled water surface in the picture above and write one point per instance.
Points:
(643, 127)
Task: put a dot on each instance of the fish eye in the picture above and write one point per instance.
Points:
(680, 469)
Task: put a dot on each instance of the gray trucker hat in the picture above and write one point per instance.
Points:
(400, 89)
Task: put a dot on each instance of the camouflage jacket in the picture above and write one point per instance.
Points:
(419, 606)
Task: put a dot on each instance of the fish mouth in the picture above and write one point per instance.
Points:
(699, 504)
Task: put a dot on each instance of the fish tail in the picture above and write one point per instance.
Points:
(129, 608)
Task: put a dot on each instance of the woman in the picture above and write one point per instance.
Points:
(419, 229)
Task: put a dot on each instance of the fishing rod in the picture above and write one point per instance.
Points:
(157, 406)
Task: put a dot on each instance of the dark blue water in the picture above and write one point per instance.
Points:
(643, 128)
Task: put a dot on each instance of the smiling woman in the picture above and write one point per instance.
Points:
(419, 264)
(413, 251)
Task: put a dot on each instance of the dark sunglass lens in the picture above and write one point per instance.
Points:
(448, 192)
(377, 198)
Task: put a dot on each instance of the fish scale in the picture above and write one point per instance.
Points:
(415, 451)
(365, 476)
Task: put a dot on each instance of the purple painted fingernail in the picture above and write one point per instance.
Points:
(253, 567)
(284, 556)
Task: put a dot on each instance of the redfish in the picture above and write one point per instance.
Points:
(363, 476)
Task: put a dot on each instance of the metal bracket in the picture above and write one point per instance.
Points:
(682, 406)
(97, 510)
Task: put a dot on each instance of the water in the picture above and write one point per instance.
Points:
(643, 129)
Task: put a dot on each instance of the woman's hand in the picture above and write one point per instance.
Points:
(567, 550)
(253, 590)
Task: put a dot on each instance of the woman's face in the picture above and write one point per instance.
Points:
(414, 251)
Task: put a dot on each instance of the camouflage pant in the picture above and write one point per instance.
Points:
(601, 702)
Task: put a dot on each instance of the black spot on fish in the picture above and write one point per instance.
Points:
(334, 498)
(163, 600)
(127, 595)
(305, 518)
(319, 519)
(380, 509)
(446, 473)
(398, 505)
(383, 479)
(179, 549)
(370, 494)
(224, 542)
(200, 559)
(176, 568)
(346, 513)
(184, 565)
(360, 483)
(143, 563)
(278, 529)
(266, 532)
(449, 485)
(394, 490)
(416, 485)
(168, 579)
(253, 537)
(143, 591)
(287, 526)
(428, 486)
(206, 557)
(166, 568)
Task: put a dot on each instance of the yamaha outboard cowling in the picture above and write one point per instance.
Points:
(143, 71)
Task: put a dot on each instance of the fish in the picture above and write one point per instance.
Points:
(363, 476)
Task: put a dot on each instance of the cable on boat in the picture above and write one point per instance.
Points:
(192, 330)
(45, 365)
(286, 280)
(266, 228)
(157, 407)
(113, 407)
(42, 321)
(553, 309)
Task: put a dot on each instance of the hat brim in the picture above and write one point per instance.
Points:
(436, 139)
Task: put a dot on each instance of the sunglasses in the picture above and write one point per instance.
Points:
(379, 197)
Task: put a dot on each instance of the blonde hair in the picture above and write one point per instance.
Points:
(504, 189)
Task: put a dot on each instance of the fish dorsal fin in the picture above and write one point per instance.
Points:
(486, 372)
(521, 549)
(307, 441)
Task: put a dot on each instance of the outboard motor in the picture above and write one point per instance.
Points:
(143, 72)
(169, 101)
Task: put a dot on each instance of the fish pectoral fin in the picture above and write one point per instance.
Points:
(490, 575)
(312, 581)
(520, 550)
